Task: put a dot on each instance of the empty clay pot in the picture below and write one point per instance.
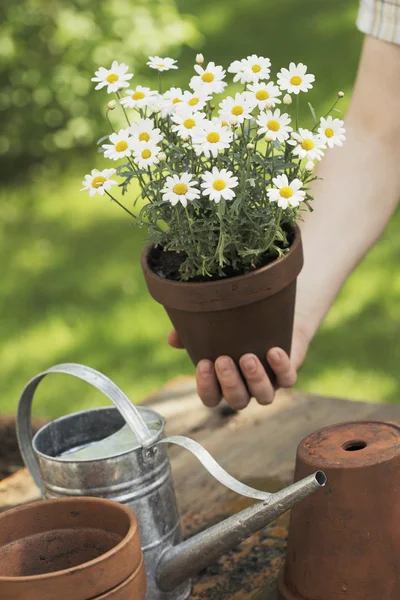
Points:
(64, 549)
(345, 541)
(248, 313)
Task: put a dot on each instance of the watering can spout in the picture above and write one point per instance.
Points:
(181, 562)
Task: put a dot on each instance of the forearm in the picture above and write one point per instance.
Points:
(360, 186)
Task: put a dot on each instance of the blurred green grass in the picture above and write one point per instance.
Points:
(72, 288)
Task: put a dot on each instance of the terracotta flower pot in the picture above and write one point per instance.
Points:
(248, 313)
(71, 549)
(344, 543)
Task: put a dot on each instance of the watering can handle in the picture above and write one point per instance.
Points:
(132, 417)
(129, 412)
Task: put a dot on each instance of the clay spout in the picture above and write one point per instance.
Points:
(181, 562)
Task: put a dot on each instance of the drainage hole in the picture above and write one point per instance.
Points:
(354, 445)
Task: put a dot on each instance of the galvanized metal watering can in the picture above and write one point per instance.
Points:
(121, 453)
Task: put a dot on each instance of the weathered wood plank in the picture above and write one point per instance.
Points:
(257, 446)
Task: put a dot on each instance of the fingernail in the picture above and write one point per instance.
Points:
(248, 363)
(276, 356)
(205, 368)
(225, 364)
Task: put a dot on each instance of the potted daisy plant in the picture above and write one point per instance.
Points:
(222, 186)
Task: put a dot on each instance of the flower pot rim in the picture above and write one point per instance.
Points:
(231, 292)
(217, 282)
(132, 531)
(126, 581)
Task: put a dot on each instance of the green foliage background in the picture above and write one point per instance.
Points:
(71, 287)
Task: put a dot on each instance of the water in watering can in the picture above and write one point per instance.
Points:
(119, 442)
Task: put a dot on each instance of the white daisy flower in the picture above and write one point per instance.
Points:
(240, 107)
(295, 79)
(143, 131)
(255, 69)
(120, 145)
(161, 64)
(145, 154)
(285, 193)
(237, 67)
(195, 101)
(265, 94)
(139, 97)
(275, 125)
(250, 69)
(186, 121)
(209, 80)
(307, 145)
(219, 184)
(98, 182)
(310, 165)
(210, 138)
(180, 188)
(114, 78)
(170, 100)
(331, 131)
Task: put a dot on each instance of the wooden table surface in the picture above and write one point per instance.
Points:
(257, 446)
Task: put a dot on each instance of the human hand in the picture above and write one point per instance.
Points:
(224, 376)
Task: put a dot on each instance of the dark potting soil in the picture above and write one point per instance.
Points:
(167, 264)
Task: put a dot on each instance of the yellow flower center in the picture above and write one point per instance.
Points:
(273, 125)
(144, 137)
(262, 95)
(307, 145)
(138, 95)
(193, 101)
(146, 154)
(176, 100)
(180, 189)
(160, 65)
(213, 137)
(296, 80)
(121, 146)
(286, 192)
(112, 78)
(189, 123)
(224, 124)
(256, 68)
(329, 132)
(237, 110)
(219, 184)
(98, 181)
(207, 77)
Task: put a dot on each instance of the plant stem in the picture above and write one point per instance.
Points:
(328, 113)
(109, 122)
(123, 108)
(278, 220)
(121, 205)
(297, 112)
(220, 247)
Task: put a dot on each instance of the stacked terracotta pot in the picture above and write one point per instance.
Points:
(71, 549)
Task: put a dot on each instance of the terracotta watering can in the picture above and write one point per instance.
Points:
(120, 453)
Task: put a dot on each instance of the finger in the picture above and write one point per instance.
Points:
(257, 380)
(173, 340)
(233, 388)
(207, 384)
(280, 362)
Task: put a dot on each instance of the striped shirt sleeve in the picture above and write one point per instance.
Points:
(381, 19)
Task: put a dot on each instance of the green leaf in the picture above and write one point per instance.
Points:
(103, 139)
(314, 116)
